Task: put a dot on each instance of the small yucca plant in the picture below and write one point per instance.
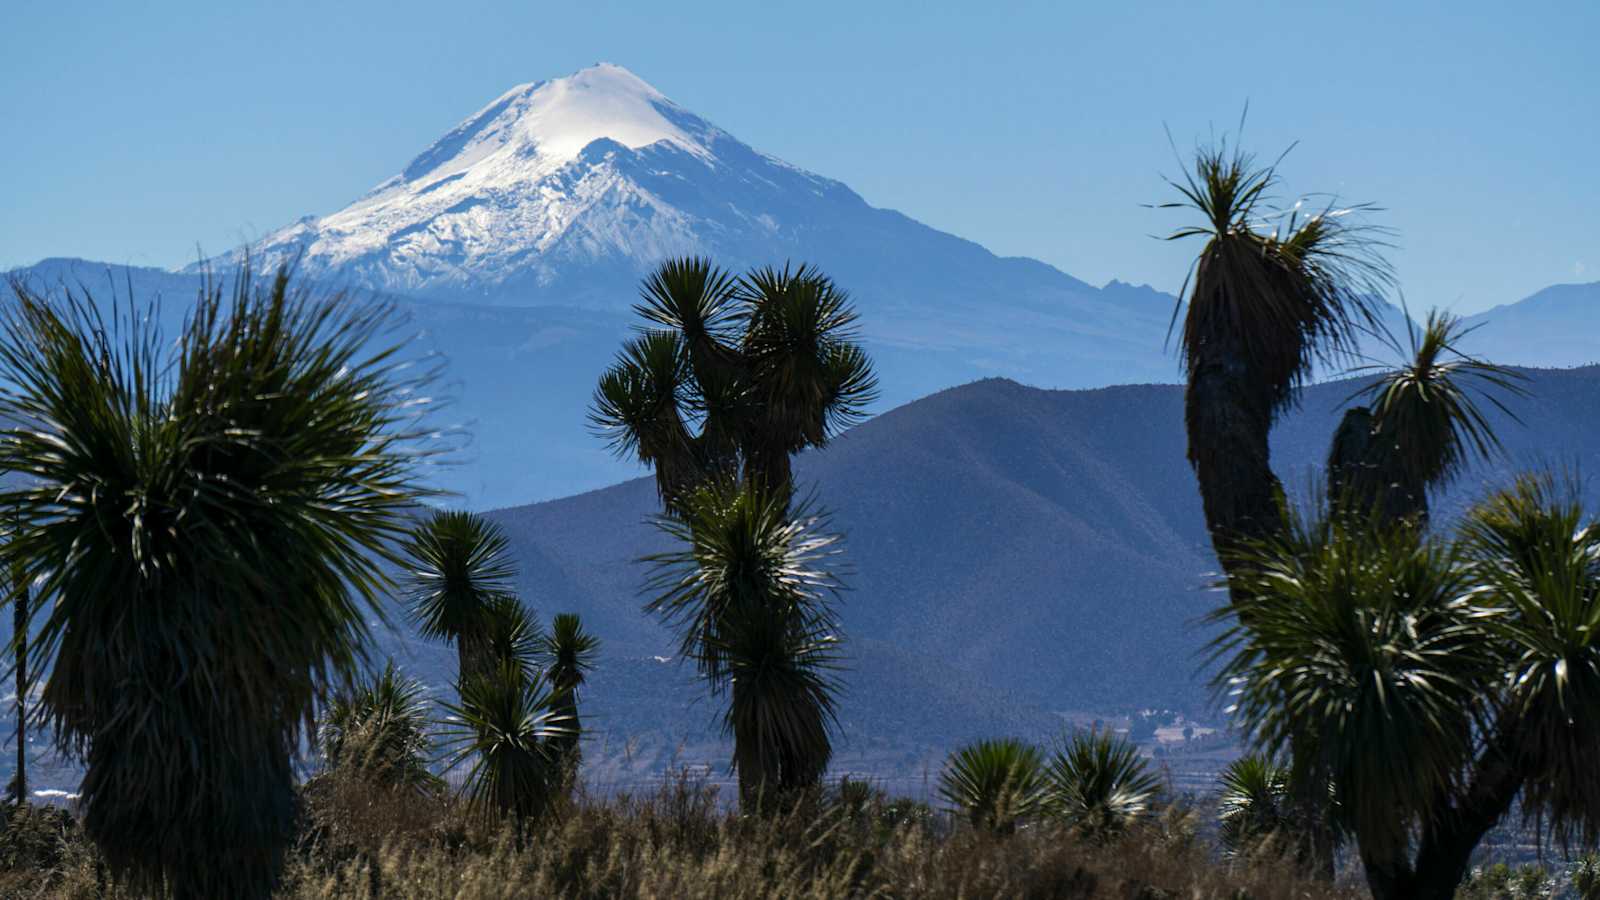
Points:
(505, 730)
(378, 731)
(1100, 786)
(750, 591)
(569, 654)
(458, 566)
(997, 783)
(1254, 807)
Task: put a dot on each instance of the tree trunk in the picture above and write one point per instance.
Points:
(1228, 415)
(566, 745)
(1315, 841)
(768, 467)
(20, 639)
(1444, 850)
(1365, 477)
(473, 659)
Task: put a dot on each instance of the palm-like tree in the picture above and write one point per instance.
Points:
(511, 634)
(212, 522)
(459, 568)
(378, 731)
(1100, 786)
(507, 725)
(1421, 425)
(569, 653)
(1444, 683)
(998, 783)
(1254, 805)
(733, 375)
(1270, 294)
(750, 592)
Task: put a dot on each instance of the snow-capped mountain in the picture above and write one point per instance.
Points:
(564, 192)
(532, 194)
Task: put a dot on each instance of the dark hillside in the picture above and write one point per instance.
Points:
(1046, 541)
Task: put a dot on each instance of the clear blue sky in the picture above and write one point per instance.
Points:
(134, 131)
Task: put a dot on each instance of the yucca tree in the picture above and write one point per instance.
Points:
(750, 591)
(510, 633)
(1445, 683)
(211, 521)
(1100, 786)
(732, 376)
(506, 729)
(569, 654)
(1253, 808)
(1420, 427)
(997, 783)
(458, 567)
(378, 731)
(1272, 293)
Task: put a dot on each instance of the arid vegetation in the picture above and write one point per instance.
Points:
(199, 535)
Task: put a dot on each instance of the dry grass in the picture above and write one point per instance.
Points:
(680, 843)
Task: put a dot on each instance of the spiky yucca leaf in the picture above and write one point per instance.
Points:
(512, 634)
(1424, 411)
(781, 706)
(997, 783)
(739, 546)
(693, 298)
(460, 561)
(1281, 287)
(505, 728)
(1365, 647)
(1271, 293)
(569, 653)
(800, 340)
(1100, 786)
(734, 375)
(212, 522)
(751, 592)
(1254, 806)
(378, 731)
(640, 409)
(1536, 559)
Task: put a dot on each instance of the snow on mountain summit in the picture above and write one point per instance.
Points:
(597, 169)
(550, 122)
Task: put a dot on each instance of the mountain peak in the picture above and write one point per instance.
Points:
(543, 125)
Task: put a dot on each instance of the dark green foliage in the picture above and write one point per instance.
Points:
(1272, 292)
(1359, 649)
(1254, 807)
(377, 732)
(763, 366)
(458, 566)
(1421, 427)
(210, 524)
(997, 784)
(1586, 876)
(569, 653)
(34, 837)
(510, 634)
(750, 593)
(1436, 683)
(1536, 559)
(1502, 882)
(1100, 786)
(506, 726)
